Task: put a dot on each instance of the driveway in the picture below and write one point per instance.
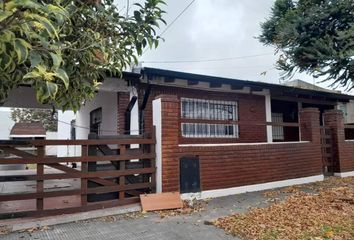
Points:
(151, 225)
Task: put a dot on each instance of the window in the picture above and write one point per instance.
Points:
(278, 131)
(72, 130)
(209, 111)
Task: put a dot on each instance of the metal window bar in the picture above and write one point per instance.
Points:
(209, 109)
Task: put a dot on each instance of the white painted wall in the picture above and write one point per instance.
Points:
(51, 150)
(350, 112)
(6, 123)
(108, 102)
(134, 114)
(268, 108)
(64, 133)
(157, 122)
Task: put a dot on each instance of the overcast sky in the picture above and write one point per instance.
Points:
(214, 29)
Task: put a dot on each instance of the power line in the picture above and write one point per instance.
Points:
(210, 60)
(177, 17)
(173, 21)
(88, 128)
(221, 68)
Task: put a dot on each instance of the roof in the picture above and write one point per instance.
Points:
(305, 85)
(28, 129)
(274, 88)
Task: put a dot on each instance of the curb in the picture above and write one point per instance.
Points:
(26, 223)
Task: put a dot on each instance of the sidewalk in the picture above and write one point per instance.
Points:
(151, 225)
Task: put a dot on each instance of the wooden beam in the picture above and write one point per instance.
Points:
(256, 89)
(169, 79)
(140, 140)
(215, 85)
(94, 190)
(303, 100)
(47, 160)
(236, 87)
(192, 82)
(88, 207)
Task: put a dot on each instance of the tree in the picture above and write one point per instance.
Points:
(65, 48)
(313, 36)
(45, 116)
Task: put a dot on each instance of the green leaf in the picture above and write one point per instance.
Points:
(45, 22)
(6, 62)
(42, 94)
(63, 76)
(35, 58)
(137, 16)
(5, 15)
(33, 74)
(21, 47)
(57, 59)
(52, 89)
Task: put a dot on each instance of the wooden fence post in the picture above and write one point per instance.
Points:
(40, 174)
(122, 149)
(153, 160)
(84, 169)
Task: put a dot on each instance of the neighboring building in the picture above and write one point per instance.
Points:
(65, 130)
(346, 107)
(28, 131)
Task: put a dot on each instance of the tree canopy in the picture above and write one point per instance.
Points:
(313, 36)
(28, 115)
(64, 48)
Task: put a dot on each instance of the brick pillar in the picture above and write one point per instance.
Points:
(309, 119)
(168, 128)
(123, 101)
(335, 121)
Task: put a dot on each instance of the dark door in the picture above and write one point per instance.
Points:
(95, 121)
(189, 175)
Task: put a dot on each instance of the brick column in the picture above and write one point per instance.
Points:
(335, 121)
(309, 119)
(123, 101)
(168, 140)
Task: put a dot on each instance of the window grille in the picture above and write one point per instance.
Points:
(211, 110)
(208, 109)
(278, 131)
(207, 130)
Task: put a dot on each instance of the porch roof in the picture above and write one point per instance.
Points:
(276, 90)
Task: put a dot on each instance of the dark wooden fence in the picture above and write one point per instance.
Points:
(122, 182)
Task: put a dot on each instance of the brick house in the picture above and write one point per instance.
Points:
(218, 136)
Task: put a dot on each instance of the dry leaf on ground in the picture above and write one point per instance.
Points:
(326, 215)
(189, 207)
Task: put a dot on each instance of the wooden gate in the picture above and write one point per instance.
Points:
(327, 150)
(40, 201)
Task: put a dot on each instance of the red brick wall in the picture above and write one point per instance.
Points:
(250, 108)
(232, 166)
(343, 150)
(123, 101)
(347, 157)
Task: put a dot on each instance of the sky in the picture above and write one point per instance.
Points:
(214, 29)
